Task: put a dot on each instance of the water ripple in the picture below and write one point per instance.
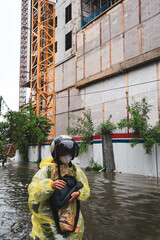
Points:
(121, 207)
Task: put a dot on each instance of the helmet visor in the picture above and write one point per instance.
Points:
(66, 147)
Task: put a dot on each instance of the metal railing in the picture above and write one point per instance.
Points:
(88, 19)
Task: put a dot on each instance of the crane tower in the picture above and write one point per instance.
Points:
(42, 59)
(23, 53)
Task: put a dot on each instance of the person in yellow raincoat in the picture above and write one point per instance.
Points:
(43, 186)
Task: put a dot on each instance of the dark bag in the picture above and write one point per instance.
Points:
(60, 198)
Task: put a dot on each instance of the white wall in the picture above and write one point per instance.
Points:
(33, 153)
(134, 160)
(127, 159)
(45, 151)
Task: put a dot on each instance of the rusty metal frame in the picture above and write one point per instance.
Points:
(43, 60)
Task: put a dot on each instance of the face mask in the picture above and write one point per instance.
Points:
(65, 159)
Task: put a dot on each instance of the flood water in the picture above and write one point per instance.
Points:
(121, 207)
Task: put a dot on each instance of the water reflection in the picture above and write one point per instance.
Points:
(14, 214)
(121, 207)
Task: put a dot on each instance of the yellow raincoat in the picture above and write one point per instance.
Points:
(40, 191)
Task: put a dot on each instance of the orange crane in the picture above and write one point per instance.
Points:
(42, 59)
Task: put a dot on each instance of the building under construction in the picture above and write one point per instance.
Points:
(107, 55)
(97, 54)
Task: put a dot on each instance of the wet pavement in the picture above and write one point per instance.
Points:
(121, 206)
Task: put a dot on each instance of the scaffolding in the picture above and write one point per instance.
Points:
(23, 53)
(43, 60)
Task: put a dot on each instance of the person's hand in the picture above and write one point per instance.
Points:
(58, 184)
(74, 195)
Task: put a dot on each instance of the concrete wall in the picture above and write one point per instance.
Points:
(127, 159)
(63, 28)
(135, 161)
(67, 102)
(111, 96)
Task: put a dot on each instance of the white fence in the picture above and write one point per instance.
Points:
(127, 159)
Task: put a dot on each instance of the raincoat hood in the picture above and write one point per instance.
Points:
(47, 162)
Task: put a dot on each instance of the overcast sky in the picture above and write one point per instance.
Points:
(10, 21)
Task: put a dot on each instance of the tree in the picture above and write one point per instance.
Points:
(105, 129)
(138, 123)
(24, 127)
(83, 127)
(3, 153)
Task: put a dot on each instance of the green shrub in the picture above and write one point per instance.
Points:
(93, 166)
(106, 127)
(138, 123)
(24, 127)
(3, 152)
(83, 127)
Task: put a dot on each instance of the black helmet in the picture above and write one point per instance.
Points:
(63, 145)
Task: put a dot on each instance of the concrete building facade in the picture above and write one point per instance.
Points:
(113, 61)
(105, 65)
(65, 60)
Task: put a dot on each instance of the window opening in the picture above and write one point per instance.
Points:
(68, 13)
(68, 40)
(56, 21)
(55, 46)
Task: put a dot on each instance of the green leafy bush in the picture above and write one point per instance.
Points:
(93, 166)
(24, 127)
(106, 127)
(3, 153)
(83, 127)
(138, 122)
